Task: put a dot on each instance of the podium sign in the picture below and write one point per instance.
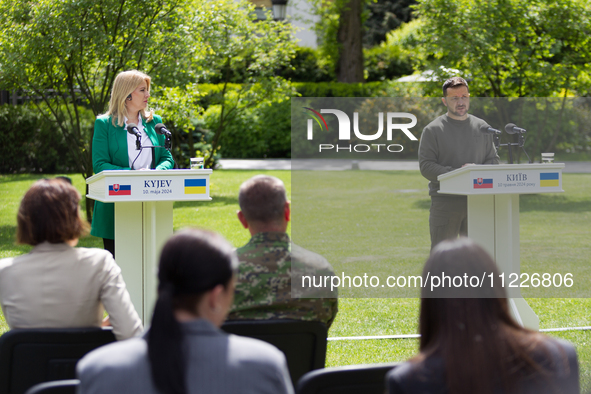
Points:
(493, 213)
(503, 179)
(156, 185)
(143, 221)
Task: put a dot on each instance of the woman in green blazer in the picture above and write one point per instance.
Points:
(113, 148)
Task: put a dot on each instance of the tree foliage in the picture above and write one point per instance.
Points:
(340, 36)
(510, 47)
(384, 17)
(235, 37)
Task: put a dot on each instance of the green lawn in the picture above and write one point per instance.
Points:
(381, 225)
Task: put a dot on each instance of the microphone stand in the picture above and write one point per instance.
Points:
(510, 145)
(152, 146)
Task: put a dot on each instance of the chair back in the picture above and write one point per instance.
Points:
(56, 387)
(302, 342)
(36, 355)
(352, 379)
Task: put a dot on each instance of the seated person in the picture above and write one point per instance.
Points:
(471, 344)
(184, 350)
(57, 285)
(264, 289)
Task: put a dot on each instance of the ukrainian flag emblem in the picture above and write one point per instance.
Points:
(549, 179)
(195, 186)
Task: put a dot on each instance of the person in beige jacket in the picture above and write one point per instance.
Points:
(57, 285)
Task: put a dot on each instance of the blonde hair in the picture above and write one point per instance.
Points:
(125, 83)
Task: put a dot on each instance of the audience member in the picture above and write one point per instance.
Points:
(184, 350)
(269, 261)
(57, 285)
(471, 344)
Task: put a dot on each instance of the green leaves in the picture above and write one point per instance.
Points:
(509, 47)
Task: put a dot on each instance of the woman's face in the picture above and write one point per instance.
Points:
(139, 100)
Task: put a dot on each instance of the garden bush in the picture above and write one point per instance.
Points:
(30, 143)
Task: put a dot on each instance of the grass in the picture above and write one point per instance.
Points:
(381, 226)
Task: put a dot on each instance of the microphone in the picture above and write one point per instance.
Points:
(161, 129)
(133, 130)
(512, 129)
(489, 130)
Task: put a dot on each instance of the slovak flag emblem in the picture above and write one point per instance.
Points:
(119, 190)
(116, 185)
(483, 183)
(479, 182)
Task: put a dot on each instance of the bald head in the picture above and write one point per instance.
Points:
(263, 203)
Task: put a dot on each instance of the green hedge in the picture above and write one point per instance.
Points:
(29, 143)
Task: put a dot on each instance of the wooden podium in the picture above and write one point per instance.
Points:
(143, 221)
(493, 214)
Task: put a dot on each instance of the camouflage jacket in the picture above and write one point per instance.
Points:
(264, 286)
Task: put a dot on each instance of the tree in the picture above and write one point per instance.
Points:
(66, 54)
(513, 48)
(385, 16)
(510, 47)
(340, 33)
(237, 40)
(350, 38)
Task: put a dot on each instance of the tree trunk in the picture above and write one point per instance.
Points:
(350, 37)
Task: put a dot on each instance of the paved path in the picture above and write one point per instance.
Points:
(341, 165)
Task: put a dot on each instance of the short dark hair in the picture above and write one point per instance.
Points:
(262, 199)
(454, 82)
(49, 212)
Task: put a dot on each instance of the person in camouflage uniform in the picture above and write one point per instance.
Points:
(264, 286)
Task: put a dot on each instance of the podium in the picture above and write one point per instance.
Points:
(143, 221)
(493, 214)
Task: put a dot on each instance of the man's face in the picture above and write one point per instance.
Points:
(457, 101)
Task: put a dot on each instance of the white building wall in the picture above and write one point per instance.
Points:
(299, 14)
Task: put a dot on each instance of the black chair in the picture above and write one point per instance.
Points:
(31, 356)
(353, 379)
(302, 342)
(55, 387)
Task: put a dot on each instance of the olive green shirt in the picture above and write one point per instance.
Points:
(264, 286)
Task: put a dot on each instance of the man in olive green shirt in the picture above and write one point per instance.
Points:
(451, 141)
(271, 266)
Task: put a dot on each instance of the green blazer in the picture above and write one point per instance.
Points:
(109, 152)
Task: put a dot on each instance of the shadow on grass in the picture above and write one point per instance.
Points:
(552, 203)
(535, 202)
(422, 204)
(221, 200)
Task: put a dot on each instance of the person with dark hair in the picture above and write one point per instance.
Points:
(271, 266)
(470, 343)
(184, 350)
(57, 285)
(451, 141)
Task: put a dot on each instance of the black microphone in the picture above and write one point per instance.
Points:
(133, 130)
(512, 129)
(161, 129)
(489, 130)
